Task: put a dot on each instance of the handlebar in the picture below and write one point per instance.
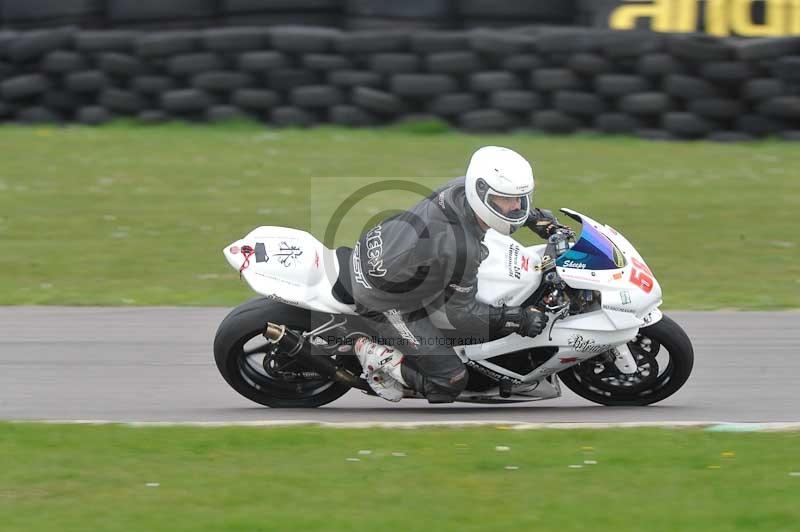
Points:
(563, 230)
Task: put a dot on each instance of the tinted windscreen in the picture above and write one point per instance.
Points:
(592, 251)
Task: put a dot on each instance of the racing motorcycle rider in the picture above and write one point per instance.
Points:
(431, 253)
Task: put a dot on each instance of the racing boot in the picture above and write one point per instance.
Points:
(381, 366)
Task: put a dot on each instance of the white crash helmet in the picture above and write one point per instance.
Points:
(499, 172)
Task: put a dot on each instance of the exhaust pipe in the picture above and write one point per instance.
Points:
(296, 345)
(274, 333)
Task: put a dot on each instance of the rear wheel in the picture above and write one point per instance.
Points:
(258, 370)
(664, 357)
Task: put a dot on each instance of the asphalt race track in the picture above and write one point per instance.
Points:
(156, 364)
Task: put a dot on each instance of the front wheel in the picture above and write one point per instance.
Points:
(664, 357)
(258, 370)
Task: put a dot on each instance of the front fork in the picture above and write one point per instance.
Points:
(624, 360)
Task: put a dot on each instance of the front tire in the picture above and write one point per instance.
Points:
(243, 367)
(601, 382)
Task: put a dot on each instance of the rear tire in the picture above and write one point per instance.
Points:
(246, 322)
(664, 334)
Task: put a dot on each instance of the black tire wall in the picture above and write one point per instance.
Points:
(554, 80)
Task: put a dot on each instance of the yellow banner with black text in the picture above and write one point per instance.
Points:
(722, 18)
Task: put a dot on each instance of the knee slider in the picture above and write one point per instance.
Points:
(445, 389)
(435, 398)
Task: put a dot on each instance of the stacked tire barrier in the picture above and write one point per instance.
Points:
(440, 14)
(351, 14)
(167, 14)
(653, 85)
(745, 18)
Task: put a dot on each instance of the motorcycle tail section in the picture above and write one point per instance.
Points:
(288, 265)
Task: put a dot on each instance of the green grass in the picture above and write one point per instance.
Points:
(65, 478)
(137, 215)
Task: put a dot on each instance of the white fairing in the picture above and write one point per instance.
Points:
(510, 273)
(626, 307)
(289, 265)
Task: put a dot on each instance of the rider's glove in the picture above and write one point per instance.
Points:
(533, 322)
(542, 222)
(525, 321)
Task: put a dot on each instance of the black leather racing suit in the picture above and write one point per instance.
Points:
(427, 255)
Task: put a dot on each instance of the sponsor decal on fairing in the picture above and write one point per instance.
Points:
(512, 261)
(279, 299)
(586, 345)
(491, 373)
(261, 252)
(619, 309)
(574, 264)
(287, 254)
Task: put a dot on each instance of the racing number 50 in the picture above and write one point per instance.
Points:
(641, 276)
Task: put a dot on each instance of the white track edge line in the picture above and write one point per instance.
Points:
(722, 426)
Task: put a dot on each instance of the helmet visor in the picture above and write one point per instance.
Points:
(513, 208)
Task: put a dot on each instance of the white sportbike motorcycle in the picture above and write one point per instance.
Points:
(606, 338)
